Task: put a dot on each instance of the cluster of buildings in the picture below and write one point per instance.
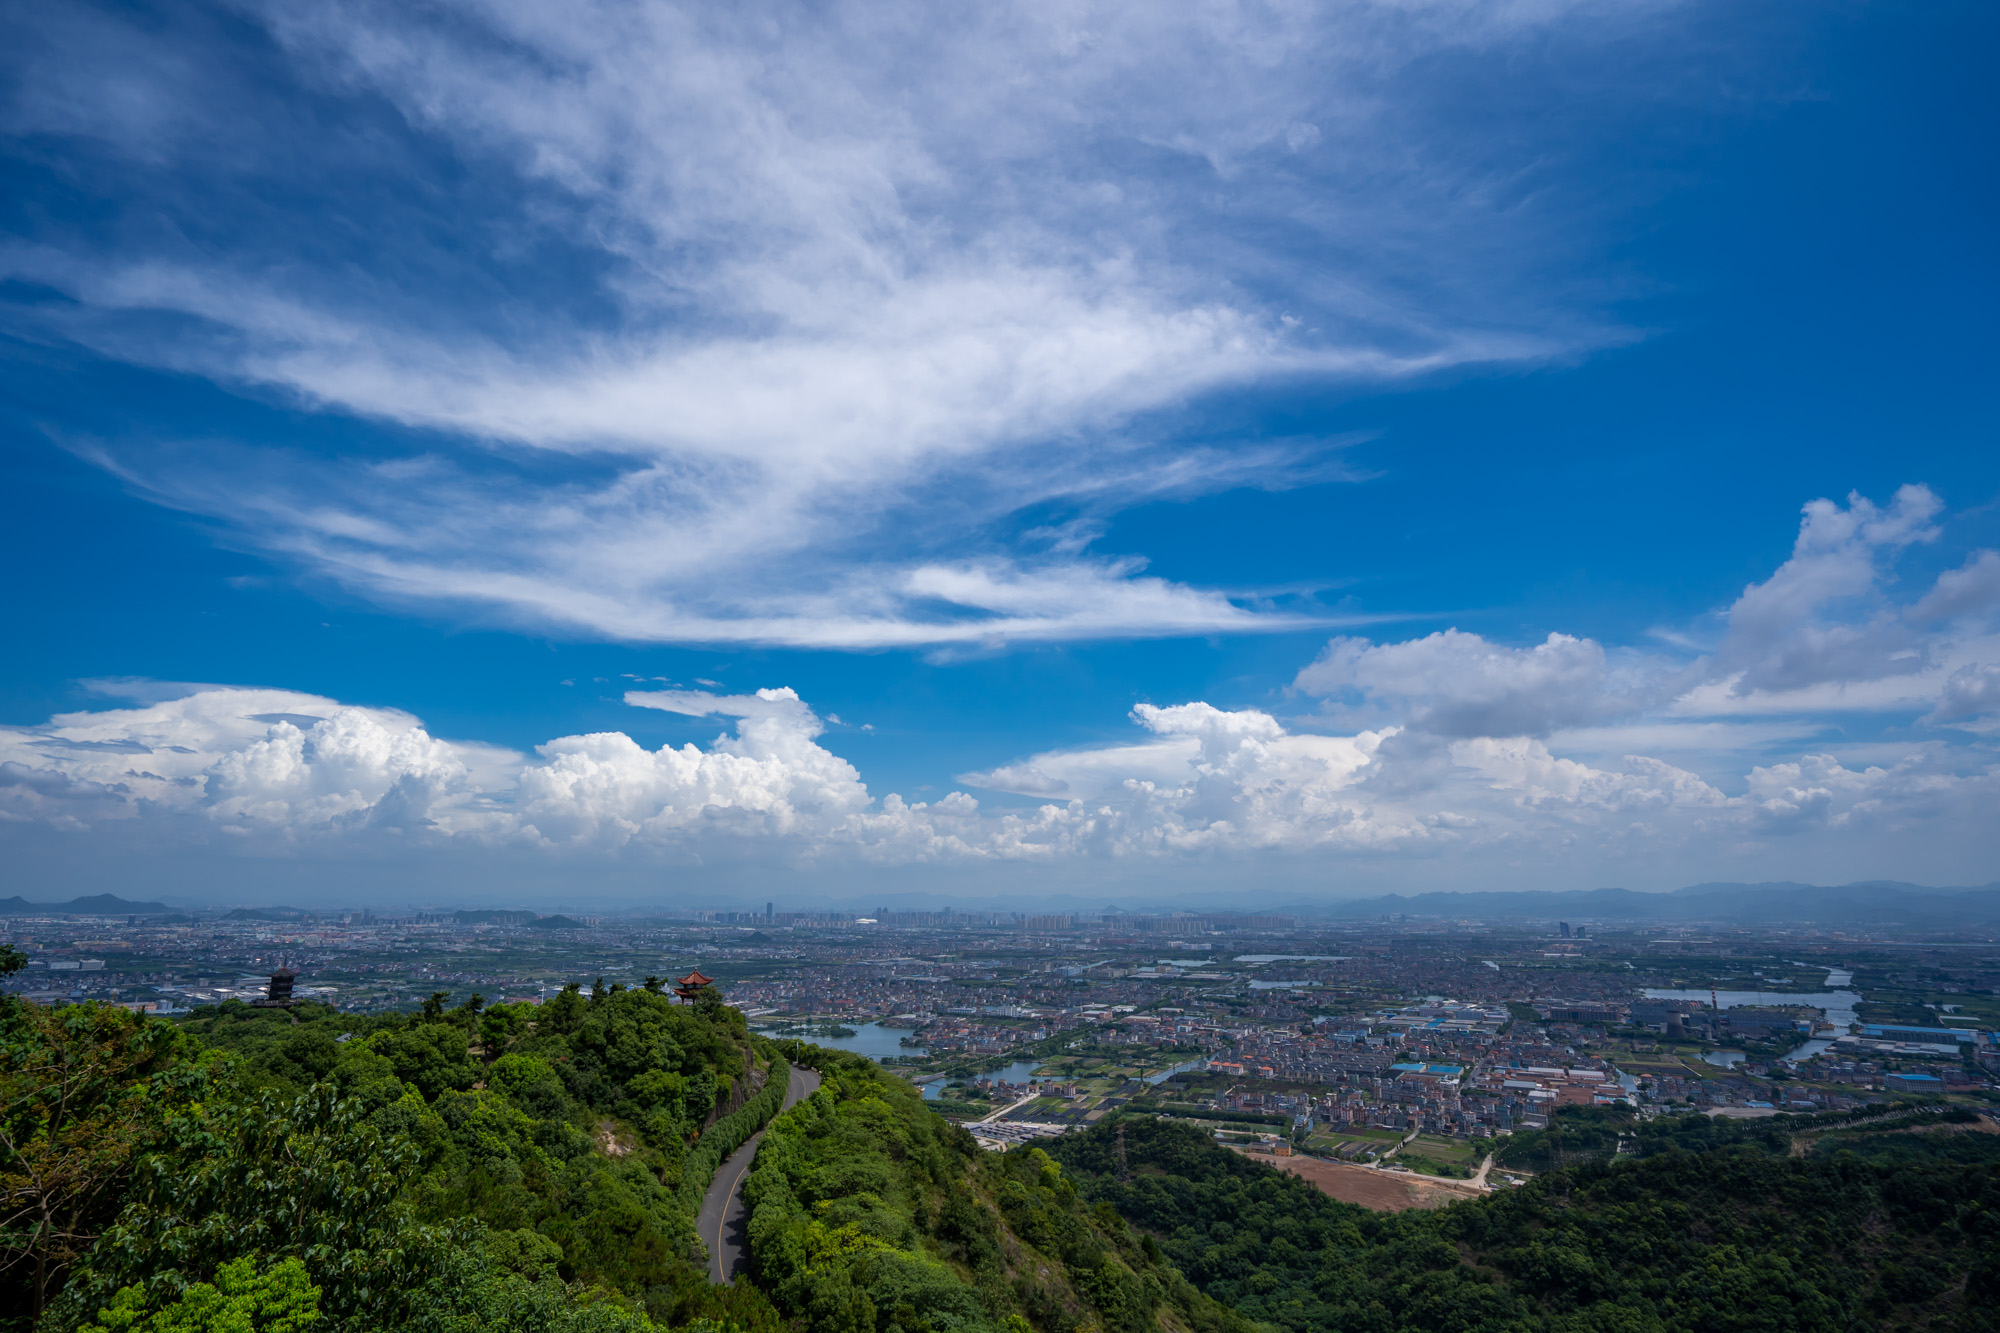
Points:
(1441, 1066)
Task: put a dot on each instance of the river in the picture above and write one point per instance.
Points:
(1171, 1070)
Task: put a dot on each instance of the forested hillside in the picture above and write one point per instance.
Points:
(873, 1213)
(522, 1168)
(508, 1167)
(1712, 1227)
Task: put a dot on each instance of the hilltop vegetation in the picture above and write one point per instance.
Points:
(1713, 1228)
(523, 1168)
(872, 1213)
(513, 1167)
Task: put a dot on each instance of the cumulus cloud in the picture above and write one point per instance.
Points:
(278, 768)
(1213, 779)
(261, 764)
(1825, 614)
(1581, 749)
(1834, 630)
(1458, 684)
(1972, 691)
(1217, 781)
(763, 323)
(272, 772)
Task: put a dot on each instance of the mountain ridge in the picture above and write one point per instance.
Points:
(1862, 902)
(96, 904)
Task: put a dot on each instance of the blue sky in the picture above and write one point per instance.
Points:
(1178, 435)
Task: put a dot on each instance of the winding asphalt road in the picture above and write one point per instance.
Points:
(723, 1224)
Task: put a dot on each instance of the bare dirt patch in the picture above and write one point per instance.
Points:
(1383, 1191)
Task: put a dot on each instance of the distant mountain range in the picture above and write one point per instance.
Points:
(98, 904)
(1868, 903)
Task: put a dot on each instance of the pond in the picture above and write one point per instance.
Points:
(872, 1040)
(1019, 1072)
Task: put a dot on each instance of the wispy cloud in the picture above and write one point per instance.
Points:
(764, 323)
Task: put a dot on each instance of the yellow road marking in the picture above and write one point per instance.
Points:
(722, 1220)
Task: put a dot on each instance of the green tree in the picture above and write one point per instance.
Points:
(305, 1178)
(543, 1180)
(82, 1089)
(280, 1299)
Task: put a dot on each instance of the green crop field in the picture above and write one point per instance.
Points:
(1459, 1152)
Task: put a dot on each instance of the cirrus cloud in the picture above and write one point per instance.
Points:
(771, 323)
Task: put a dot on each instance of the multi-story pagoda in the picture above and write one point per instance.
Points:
(693, 986)
(278, 994)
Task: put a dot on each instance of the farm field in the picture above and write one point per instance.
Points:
(1455, 1151)
(1363, 1141)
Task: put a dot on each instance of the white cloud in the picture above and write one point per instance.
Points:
(1831, 633)
(1561, 753)
(760, 324)
(1838, 704)
(1090, 774)
(272, 772)
(1458, 684)
(1972, 691)
(1970, 592)
(1825, 614)
(1214, 780)
(268, 764)
(607, 789)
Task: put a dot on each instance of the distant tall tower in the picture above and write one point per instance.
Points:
(1563, 926)
(770, 911)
